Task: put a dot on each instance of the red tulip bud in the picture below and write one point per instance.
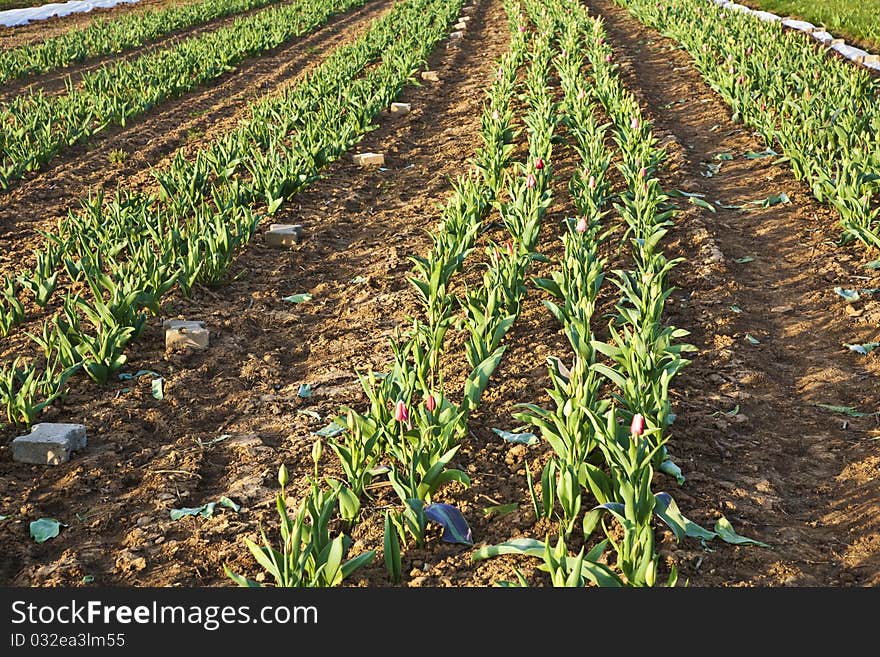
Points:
(740, 79)
(749, 50)
(539, 164)
(591, 183)
(581, 94)
(634, 123)
(509, 246)
(522, 28)
(431, 403)
(401, 414)
(643, 173)
(531, 181)
(581, 225)
(763, 107)
(608, 58)
(601, 40)
(637, 428)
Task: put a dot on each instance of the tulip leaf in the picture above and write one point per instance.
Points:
(527, 546)
(677, 193)
(702, 204)
(522, 438)
(45, 528)
(671, 469)
(500, 510)
(310, 413)
(724, 529)
(874, 264)
(851, 411)
(736, 309)
(455, 527)
(304, 390)
(724, 157)
(157, 388)
(298, 298)
(744, 260)
(848, 295)
(667, 510)
(863, 349)
(205, 511)
(332, 429)
(752, 155)
(229, 504)
(125, 376)
(752, 339)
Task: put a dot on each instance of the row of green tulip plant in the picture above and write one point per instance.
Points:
(105, 37)
(412, 429)
(117, 258)
(37, 127)
(604, 447)
(823, 113)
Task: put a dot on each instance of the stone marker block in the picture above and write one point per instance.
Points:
(460, 26)
(873, 65)
(453, 36)
(399, 109)
(467, 10)
(283, 235)
(181, 335)
(464, 19)
(430, 76)
(49, 443)
(369, 159)
(871, 59)
(802, 26)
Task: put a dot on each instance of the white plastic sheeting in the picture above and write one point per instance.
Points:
(14, 17)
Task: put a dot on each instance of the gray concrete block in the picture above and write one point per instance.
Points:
(181, 335)
(399, 109)
(49, 443)
(283, 235)
(430, 76)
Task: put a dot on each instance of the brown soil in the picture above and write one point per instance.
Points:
(12, 37)
(55, 82)
(780, 469)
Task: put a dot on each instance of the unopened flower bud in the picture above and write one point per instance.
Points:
(531, 181)
(581, 226)
(430, 403)
(637, 428)
(539, 164)
(401, 414)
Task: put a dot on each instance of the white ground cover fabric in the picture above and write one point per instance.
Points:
(23, 16)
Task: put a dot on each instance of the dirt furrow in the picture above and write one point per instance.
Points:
(757, 295)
